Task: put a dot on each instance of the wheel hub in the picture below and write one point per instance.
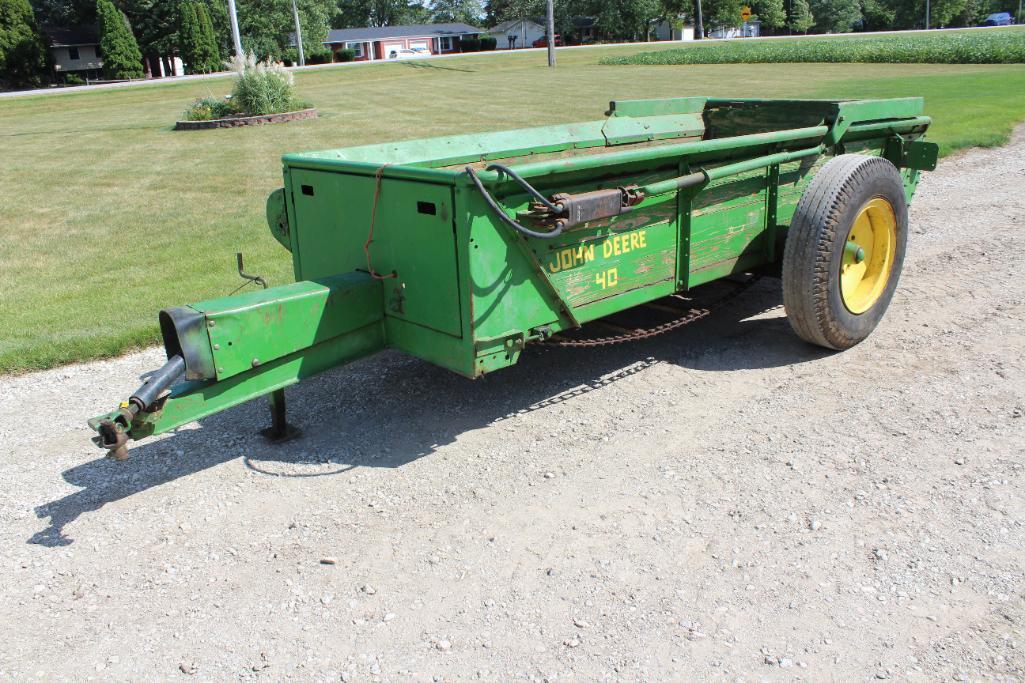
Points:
(868, 255)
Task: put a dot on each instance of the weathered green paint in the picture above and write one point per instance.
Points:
(195, 400)
(269, 339)
(252, 329)
(455, 286)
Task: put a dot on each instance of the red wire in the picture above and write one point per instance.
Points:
(373, 219)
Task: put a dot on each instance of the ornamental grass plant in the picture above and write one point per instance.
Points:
(260, 88)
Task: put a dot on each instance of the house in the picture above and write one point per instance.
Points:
(517, 33)
(385, 42)
(675, 30)
(75, 50)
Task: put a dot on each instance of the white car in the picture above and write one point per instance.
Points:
(408, 54)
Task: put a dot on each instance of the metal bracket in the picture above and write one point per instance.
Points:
(918, 154)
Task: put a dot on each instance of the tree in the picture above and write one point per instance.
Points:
(719, 13)
(359, 13)
(911, 14)
(120, 52)
(197, 43)
(835, 16)
(877, 15)
(267, 26)
(211, 49)
(64, 12)
(770, 12)
(623, 20)
(801, 18)
(464, 11)
(188, 34)
(24, 56)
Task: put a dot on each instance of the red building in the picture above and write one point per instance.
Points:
(400, 42)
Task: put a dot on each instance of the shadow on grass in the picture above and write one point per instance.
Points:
(424, 64)
(391, 409)
(52, 132)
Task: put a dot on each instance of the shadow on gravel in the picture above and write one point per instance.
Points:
(391, 409)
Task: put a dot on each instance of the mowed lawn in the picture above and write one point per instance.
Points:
(108, 215)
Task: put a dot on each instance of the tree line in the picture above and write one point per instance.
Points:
(199, 30)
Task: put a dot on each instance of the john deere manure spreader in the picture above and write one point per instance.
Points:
(463, 250)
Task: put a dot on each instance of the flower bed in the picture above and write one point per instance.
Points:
(257, 120)
(262, 93)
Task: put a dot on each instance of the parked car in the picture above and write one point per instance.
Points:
(543, 41)
(998, 19)
(408, 54)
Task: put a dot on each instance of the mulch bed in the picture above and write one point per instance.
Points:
(236, 121)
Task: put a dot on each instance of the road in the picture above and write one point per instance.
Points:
(723, 502)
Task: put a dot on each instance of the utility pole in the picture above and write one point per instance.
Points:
(298, 34)
(699, 27)
(927, 8)
(234, 27)
(551, 33)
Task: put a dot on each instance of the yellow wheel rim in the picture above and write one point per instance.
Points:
(868, 256)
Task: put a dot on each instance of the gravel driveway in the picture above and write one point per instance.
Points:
(724, 502)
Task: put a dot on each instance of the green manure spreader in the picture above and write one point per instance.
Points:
(464, 250)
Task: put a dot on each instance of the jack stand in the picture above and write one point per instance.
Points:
(279, 431)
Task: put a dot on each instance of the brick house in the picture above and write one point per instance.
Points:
(385, 42)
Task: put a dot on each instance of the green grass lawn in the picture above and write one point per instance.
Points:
(109, 215)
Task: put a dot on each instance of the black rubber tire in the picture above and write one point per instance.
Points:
(813, 251)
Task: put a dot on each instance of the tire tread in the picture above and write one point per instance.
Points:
(811, 239)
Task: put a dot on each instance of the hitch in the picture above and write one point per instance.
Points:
(238, 348)
(112, 429)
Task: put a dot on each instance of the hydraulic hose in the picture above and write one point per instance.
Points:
(526, 186)
(505, 217)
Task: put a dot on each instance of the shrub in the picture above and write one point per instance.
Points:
(24, 57)
(469, 44)
(947, 47)
(290, 56)
(197, 42)
(208, 109)
(71, 78)
(121, 56)
(321, 56)
(262, 87)
(488, 42)
(345, 55)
